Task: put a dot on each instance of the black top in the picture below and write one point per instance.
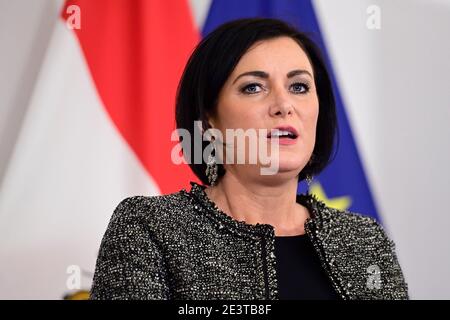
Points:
(300, 275)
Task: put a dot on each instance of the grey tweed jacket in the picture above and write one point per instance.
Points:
(181, 246)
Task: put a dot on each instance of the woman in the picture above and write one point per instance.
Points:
(244, 234)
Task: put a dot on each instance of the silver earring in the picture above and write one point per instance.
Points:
(309, 179)
(211, 169)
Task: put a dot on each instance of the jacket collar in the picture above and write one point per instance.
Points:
(315, 222)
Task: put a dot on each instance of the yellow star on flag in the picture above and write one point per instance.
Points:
(340, 203)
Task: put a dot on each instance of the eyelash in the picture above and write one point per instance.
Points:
(244, 89)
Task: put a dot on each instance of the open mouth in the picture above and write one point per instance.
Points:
(284, 132)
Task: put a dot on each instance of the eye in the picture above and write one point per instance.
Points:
(251, 88)
(299, 88)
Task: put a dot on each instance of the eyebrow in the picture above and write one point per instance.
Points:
(265, 75)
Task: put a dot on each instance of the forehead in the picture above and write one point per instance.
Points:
(281, 53)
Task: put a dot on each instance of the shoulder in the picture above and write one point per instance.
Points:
(149, 208)
(358, 230)
(361, 226)
(163, 217)
(348, 223)
(143, 222)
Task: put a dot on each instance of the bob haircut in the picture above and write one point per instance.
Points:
(215, 58)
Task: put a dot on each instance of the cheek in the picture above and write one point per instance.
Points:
(314, 117)
(310, 123)
(236, 113)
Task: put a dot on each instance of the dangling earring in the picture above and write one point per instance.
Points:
(309, 179)
(211, 167)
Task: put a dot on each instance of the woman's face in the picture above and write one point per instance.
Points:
(272, 86)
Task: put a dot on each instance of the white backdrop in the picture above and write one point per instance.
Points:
(396, 86)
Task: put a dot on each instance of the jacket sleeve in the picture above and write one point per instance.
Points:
(129, 264)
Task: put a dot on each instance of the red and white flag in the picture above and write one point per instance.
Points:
(98, 129)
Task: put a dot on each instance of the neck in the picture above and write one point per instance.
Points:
(254, 202)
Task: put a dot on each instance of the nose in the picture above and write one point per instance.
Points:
(281, 104)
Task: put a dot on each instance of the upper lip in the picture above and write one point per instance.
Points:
(284, 128)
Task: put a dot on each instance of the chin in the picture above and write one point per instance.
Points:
(290, 166)
(291, 163)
